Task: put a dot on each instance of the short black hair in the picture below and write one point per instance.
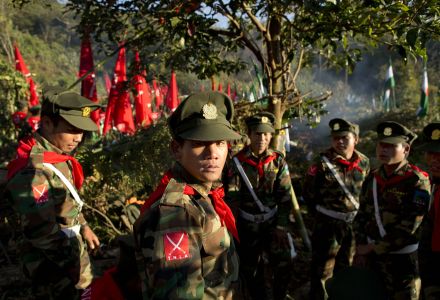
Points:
(48, 110)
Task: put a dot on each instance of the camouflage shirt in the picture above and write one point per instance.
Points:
(321, 187)
(271, 182)
(182, 248)
(45, 206)
(403, 200)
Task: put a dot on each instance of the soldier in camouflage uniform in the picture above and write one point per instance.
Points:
(331, 190)
(394, 200)
(42, 188)
(265, 259)
(429, 250)
(184, 236)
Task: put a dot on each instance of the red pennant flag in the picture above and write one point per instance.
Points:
(108, 83)
(157, 95)
(172, 100)
(142, 95)
(212, 83)
(228, 90)
(119, 108)
(220, 87)
(21, 67)
(88, 84)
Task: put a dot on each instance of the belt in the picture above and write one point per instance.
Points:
(258, 218)
(72, 231)
(346, 217)
(407, 249)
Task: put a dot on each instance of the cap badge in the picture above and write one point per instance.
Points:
(435, 135)
(387, 131)
(336, 126)
(264, 120)
(86, 111)
(209, 111)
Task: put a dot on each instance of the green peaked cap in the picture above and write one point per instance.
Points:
(340, 126)
(204, 116)
(71, 106)
(431, 134)
(261, 122)
(394, 133)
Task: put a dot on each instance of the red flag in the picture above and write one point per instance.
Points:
(119, 107)
(142, 95)
(220, 87)
(228, 90)
(108, 83)
(212, 83)
(88, 84)
(172, 100)
(157, 95)
(21, 67)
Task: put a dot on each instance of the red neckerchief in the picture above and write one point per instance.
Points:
(244, 159)
(350, 165)
(216, 195)
(385, 183)
(435, 241)
(24, 150)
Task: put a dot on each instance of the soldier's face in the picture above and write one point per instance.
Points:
(344, 144)
(260, 141)
(433, 161)
(390, 154)
(203, 160)
(62, 135)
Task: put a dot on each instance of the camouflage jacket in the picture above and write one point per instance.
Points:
(403, 200)
(428, 258)
(271, 183)
(182, 248)
(321, 187)
(45, 206)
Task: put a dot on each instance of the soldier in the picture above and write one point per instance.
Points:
(184, 236)
(429, 251)
(331, 190)
(42, 188)
(395, 197)
(260, 185)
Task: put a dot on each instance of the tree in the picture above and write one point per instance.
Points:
(283, 35)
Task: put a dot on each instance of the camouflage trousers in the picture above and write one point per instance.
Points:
(59, 279)
(400, 274)
(333, 249)
(264, 268)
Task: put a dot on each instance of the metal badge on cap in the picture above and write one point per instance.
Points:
(387, 131)
(209, 111)
(336, 126)
(86, 111)
(435, 135)
(264, 119)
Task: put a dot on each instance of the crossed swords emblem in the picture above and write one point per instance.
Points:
(177, 245)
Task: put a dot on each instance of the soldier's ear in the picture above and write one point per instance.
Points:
(176, 149)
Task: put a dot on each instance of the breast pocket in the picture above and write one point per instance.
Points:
(217, 239)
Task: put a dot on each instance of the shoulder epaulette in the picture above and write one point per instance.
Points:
(174, 194)
(418, 170)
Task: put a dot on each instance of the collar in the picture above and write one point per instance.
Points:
(46, 144)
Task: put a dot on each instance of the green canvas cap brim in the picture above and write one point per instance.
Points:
(80, 122)
(210, 132)
(393, 140)
(262, 128)
(430, 147)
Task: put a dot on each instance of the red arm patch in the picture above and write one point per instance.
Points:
(176, 246)
(313, 170)
(41, 193)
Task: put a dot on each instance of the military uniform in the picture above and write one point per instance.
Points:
(429, 250)
(269, 176)
(184, 236)
(333, 241)
(393, 207)
(52, 251)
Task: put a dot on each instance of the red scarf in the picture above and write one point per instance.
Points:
(435, 212)
(24, 150)
(242, 158)
(216, 195)
(385, 183)
(350, 165)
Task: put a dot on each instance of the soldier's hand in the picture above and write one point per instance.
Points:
(280, 238)
(90, 237)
